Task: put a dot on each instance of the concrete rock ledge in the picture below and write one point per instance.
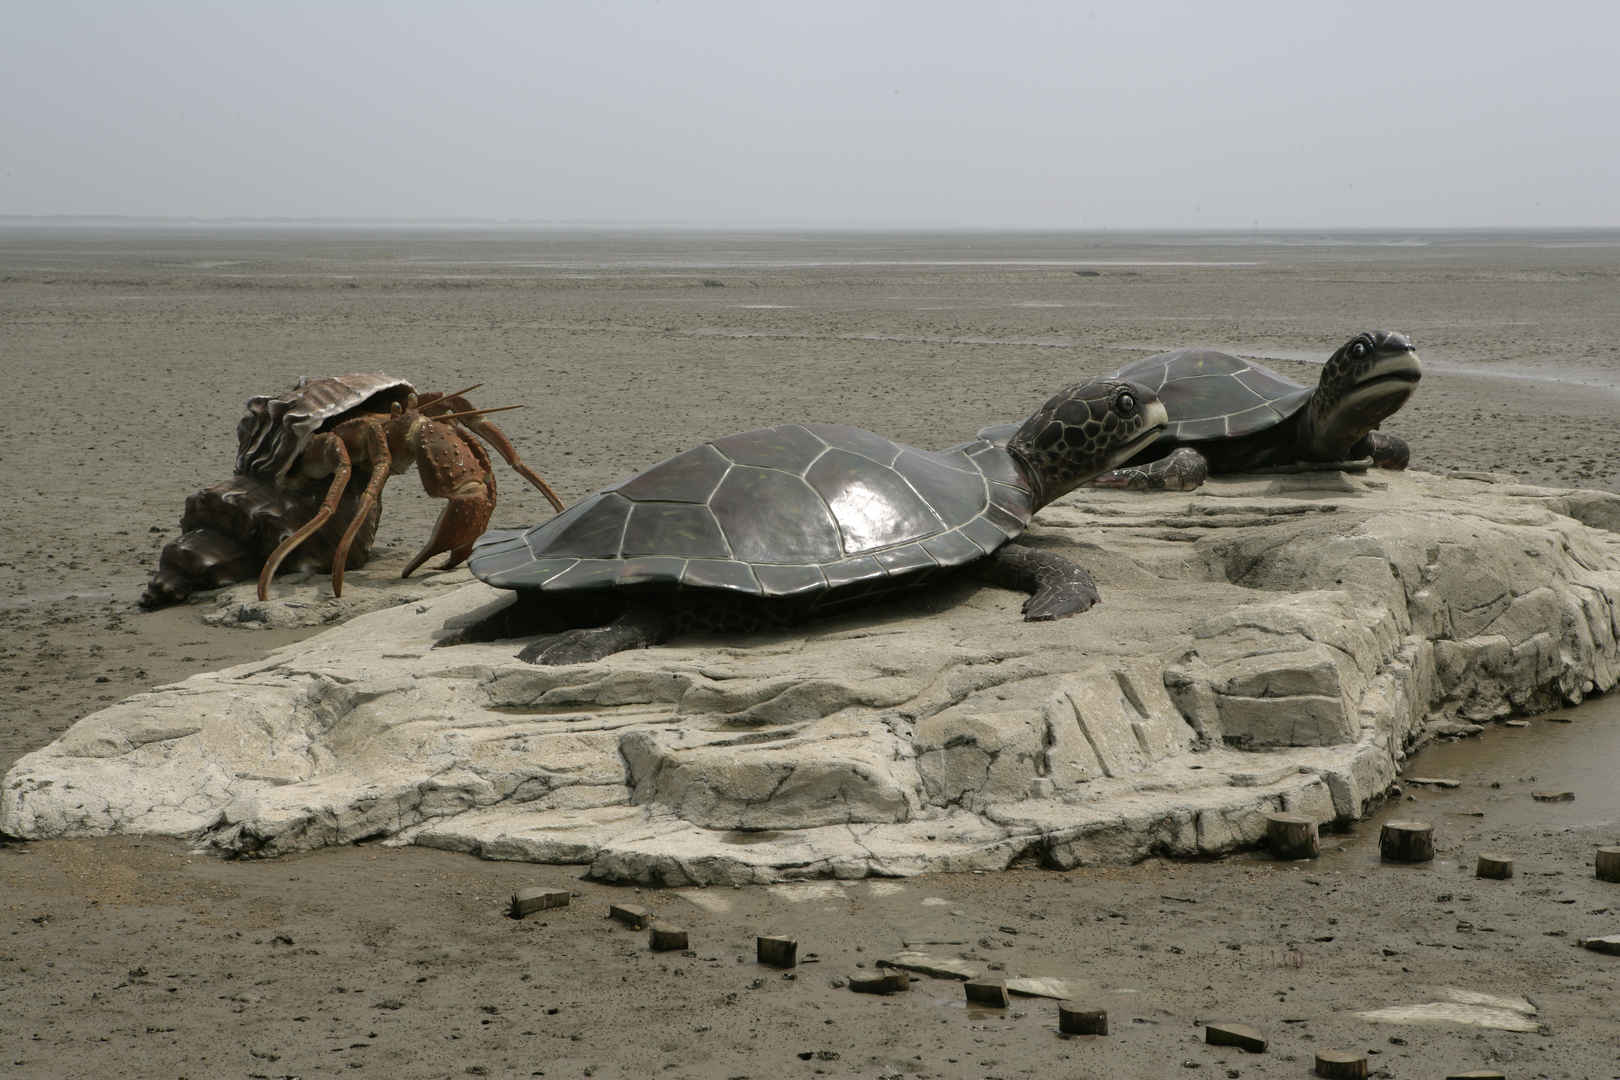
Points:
(1266, 643)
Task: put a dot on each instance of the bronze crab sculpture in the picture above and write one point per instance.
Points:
(310, 467)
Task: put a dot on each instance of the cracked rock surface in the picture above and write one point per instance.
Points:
(1265, 643)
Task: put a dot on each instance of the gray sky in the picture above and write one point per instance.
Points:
(1133, 113)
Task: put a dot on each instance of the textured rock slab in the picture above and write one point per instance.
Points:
(305, 599)
(1278, 643)
(1467, 1008)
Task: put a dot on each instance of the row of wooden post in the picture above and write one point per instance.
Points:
(1294, 836)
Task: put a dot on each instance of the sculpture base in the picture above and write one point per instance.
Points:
(1265, 644)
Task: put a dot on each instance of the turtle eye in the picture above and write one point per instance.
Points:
(1358, 350)
(1125, 403)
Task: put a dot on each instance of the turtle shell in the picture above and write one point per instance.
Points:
(1210, 395)
(790, 510)
(275, 429)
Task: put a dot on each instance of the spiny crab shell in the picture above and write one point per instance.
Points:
(276, 429)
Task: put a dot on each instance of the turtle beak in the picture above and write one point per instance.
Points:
(1155, 418)
(1398, 362)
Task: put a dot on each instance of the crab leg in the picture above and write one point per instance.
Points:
(381, 460)
(493, 435)
(326, 446)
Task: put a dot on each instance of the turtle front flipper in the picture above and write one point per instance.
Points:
(1057, 587)
(1182, 469)
(1386, 451)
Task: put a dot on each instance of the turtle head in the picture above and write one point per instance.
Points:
(1369, 377)
(1084, 430)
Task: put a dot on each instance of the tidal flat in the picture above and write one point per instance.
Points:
(128, 352)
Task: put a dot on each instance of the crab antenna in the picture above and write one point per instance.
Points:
(475, 412)
(454, 393)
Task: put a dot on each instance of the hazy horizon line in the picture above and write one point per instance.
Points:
(656, 224)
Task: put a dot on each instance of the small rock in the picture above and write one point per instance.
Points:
(1434, 781)
(1553, 796)
(1609, 944)
(882, 982)
(1240, 1035)
(934, 966)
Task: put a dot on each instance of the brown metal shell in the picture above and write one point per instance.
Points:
(275, 429)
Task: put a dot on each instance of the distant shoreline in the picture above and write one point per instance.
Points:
(8, 220)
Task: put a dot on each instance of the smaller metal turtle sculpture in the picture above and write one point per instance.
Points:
(1233, 415)
(769, 526)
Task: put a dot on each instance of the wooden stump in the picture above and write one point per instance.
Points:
(1493, 865)
(1292, 836)
(777, 951)
(1406, 841)
(1073, 1020)
(632, 915)
(666, 939)
(986, 992)
(1608, 863)
(528, 901)
(1341, 1066)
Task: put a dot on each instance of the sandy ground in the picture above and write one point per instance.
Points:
(126, 359)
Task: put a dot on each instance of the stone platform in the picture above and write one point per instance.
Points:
(1264, 643)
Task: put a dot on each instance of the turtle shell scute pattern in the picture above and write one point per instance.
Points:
(1211, 395)
(795, 509)
(275, 429)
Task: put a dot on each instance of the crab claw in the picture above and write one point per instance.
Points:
(490, 433)
(458, 470)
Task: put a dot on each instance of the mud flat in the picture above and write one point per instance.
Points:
(127, 358)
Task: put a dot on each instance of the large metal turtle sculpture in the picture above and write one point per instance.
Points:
(768, 526)
(1233, 415)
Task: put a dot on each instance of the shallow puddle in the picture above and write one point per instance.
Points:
(1574, 750)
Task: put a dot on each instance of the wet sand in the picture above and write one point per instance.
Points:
(127, 355)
